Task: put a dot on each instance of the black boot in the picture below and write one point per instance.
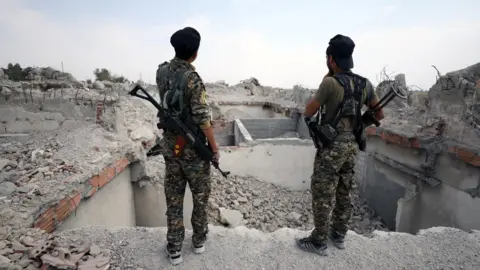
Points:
(306, 244)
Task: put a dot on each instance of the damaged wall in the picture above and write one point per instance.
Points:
(112, 206)
(397, 182)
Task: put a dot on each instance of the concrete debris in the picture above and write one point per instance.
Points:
(36, 250)
(242, 248)
(230, 218)
(268, 207)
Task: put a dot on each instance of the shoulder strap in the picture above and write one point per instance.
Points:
(179, 87)
(359, 84)
(344, 81)
(360, 87)
(161, 76)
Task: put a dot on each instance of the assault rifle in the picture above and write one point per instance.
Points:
(172, 122)
(368, 118)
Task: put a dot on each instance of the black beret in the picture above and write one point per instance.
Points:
(341, 49)
(185, 40)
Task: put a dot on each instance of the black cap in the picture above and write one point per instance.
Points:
(186, 42)
(341, 49)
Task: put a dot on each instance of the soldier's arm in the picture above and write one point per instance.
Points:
(320, 97)
(200, 108)
(372, 100)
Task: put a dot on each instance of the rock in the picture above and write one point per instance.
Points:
(6, 251)
(27, 241)
(15, 256)
(230, 218)
(98, 85)
(95, 250)
(242, 200)
(294, 217)
(4, 259)
(142, 133)
(23, 189)
(7, 188)
(257, 202)
(6, 92)
(19, 127)
(32, 267)
(25, 261)
(3, 162)
(17, 247)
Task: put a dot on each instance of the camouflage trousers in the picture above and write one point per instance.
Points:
(178, 173)
(333, 179)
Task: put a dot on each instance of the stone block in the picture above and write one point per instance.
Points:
(69, 123)
(9, 114)
(53, 116)
(19, 127)
(3, 129)
(45, 125)
(29, 116)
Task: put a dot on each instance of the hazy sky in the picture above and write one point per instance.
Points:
(280, 42)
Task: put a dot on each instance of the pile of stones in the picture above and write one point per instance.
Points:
(267, 207)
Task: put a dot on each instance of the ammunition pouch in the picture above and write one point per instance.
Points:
(323, 135)
(326, 134)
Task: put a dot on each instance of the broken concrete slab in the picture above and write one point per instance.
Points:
(230, 218)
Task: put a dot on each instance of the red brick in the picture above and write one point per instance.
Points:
(120, 165)
(66, 206)
(414, 143)
(98, 180)
(46, 220)
(466, 156)
(103, 178)
(462, 154)
(110, 171)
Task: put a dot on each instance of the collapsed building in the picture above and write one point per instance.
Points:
(73, 170)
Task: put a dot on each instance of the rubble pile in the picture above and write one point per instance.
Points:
(399, 83)
(267, 207)
(453, 99)
(24, 166)
(48, 73)
(32, 249)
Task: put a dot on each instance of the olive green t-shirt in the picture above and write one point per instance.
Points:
(330, 94)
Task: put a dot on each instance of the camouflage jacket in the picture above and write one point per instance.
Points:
(196, 101)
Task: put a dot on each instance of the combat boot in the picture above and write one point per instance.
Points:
(199, 248)
(306, 244)
(337, 239)
(175, 257)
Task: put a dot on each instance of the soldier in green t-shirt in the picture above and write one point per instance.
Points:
(333, 172)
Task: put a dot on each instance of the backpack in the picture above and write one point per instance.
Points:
(350, 107)
(171, 86)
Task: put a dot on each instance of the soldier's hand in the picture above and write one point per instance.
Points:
(478, 84)
(216, 157)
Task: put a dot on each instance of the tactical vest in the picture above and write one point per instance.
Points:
(171, 86)
(354, 86)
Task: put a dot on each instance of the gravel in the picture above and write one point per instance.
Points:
(242, 248)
